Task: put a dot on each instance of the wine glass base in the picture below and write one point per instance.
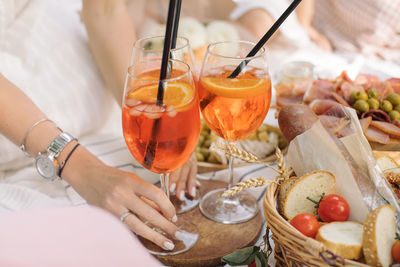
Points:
(188, 203)
(189, 238)
(231, 210)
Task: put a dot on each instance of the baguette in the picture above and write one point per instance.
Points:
(342, 238)
(313, 185)
(285, 187)
(379, 236)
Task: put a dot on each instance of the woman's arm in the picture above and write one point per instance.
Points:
(111, 36)
(109, 188)
(305, 15)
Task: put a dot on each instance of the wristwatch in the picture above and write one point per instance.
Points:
(46, 162)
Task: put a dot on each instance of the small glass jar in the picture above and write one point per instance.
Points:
(295, 78)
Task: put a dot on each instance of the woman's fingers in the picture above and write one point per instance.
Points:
(191, 180)
(138, 227)
(181, 183)
(173, 179)
(143, 210)
(156, 195)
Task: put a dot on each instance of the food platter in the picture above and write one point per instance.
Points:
(204, 166)
(376, 101)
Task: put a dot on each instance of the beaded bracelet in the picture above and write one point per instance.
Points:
(66, 159)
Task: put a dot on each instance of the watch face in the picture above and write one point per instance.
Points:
(45, 166)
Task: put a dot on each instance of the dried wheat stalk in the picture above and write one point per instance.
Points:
(232, 150)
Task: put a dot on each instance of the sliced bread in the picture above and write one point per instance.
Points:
(285, 186)
(386, 162)
(313, 185)
(342, 238)
(379, 236)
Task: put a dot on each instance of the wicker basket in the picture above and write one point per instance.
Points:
(291, 247)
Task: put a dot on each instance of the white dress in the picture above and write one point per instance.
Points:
(44, 51)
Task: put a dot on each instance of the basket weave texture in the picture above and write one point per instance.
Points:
(291, 247)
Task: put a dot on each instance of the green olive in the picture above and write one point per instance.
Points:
(205, 132)
(201, 140)
(199, 156)
(205, 151)
(207, 143)
(394, 115)
(353, 97)
(373, 103)
(397, 107)
(372, 93)
(212, 159)
(361, 105)
(361, 95)
(393, 98)
(386, 106)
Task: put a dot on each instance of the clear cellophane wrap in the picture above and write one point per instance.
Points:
(358, 178)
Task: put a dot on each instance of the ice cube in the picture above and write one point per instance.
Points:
(132, 102)
(153, 111)
(171, 111)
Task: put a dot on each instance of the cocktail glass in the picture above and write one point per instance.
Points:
(161, 137)
(233, 109)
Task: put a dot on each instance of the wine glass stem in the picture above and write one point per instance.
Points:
(230, 171)
(164, 179)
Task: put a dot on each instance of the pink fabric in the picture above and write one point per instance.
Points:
(69, 236)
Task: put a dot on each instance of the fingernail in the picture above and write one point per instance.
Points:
(198, 183)
(168, 245)
(181, 195)
(179, 235)
(172, 188)
(193, 191)
(174, 219)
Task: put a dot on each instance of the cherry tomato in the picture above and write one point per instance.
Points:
(396, 251)
(333, 208)
(306, 223)
(252, 264)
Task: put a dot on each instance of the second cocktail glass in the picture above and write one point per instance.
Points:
(150, 48)
(233, 109)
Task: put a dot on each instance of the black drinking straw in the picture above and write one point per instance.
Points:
(265, 38)
(166, 51)
(169, 38)
(176, 23)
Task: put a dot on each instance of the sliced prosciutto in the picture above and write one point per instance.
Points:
(320, 89)
(383, 88)
(396, 122)
(387, 127)
(365, 123)
(326, 107)
(395, 83)
(366, 78)
(347, 88)
(375, 135)
(282, 101)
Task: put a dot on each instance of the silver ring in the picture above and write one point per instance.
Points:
(124, 215)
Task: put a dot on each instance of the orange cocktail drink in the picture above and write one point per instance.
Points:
(161, 138)
(234, 108)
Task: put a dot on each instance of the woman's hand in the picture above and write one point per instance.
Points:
(118, 192)
(184, 178)
(319, 39)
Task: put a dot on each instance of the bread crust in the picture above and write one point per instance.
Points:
(352, 252)
(299, 181)
(370, 248)
(284, 189)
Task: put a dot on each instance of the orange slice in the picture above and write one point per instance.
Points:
(176, 94)
(236, 88)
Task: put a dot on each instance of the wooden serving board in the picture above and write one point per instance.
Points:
(216, 239)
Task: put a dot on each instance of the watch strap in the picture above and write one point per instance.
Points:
(58, 144)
